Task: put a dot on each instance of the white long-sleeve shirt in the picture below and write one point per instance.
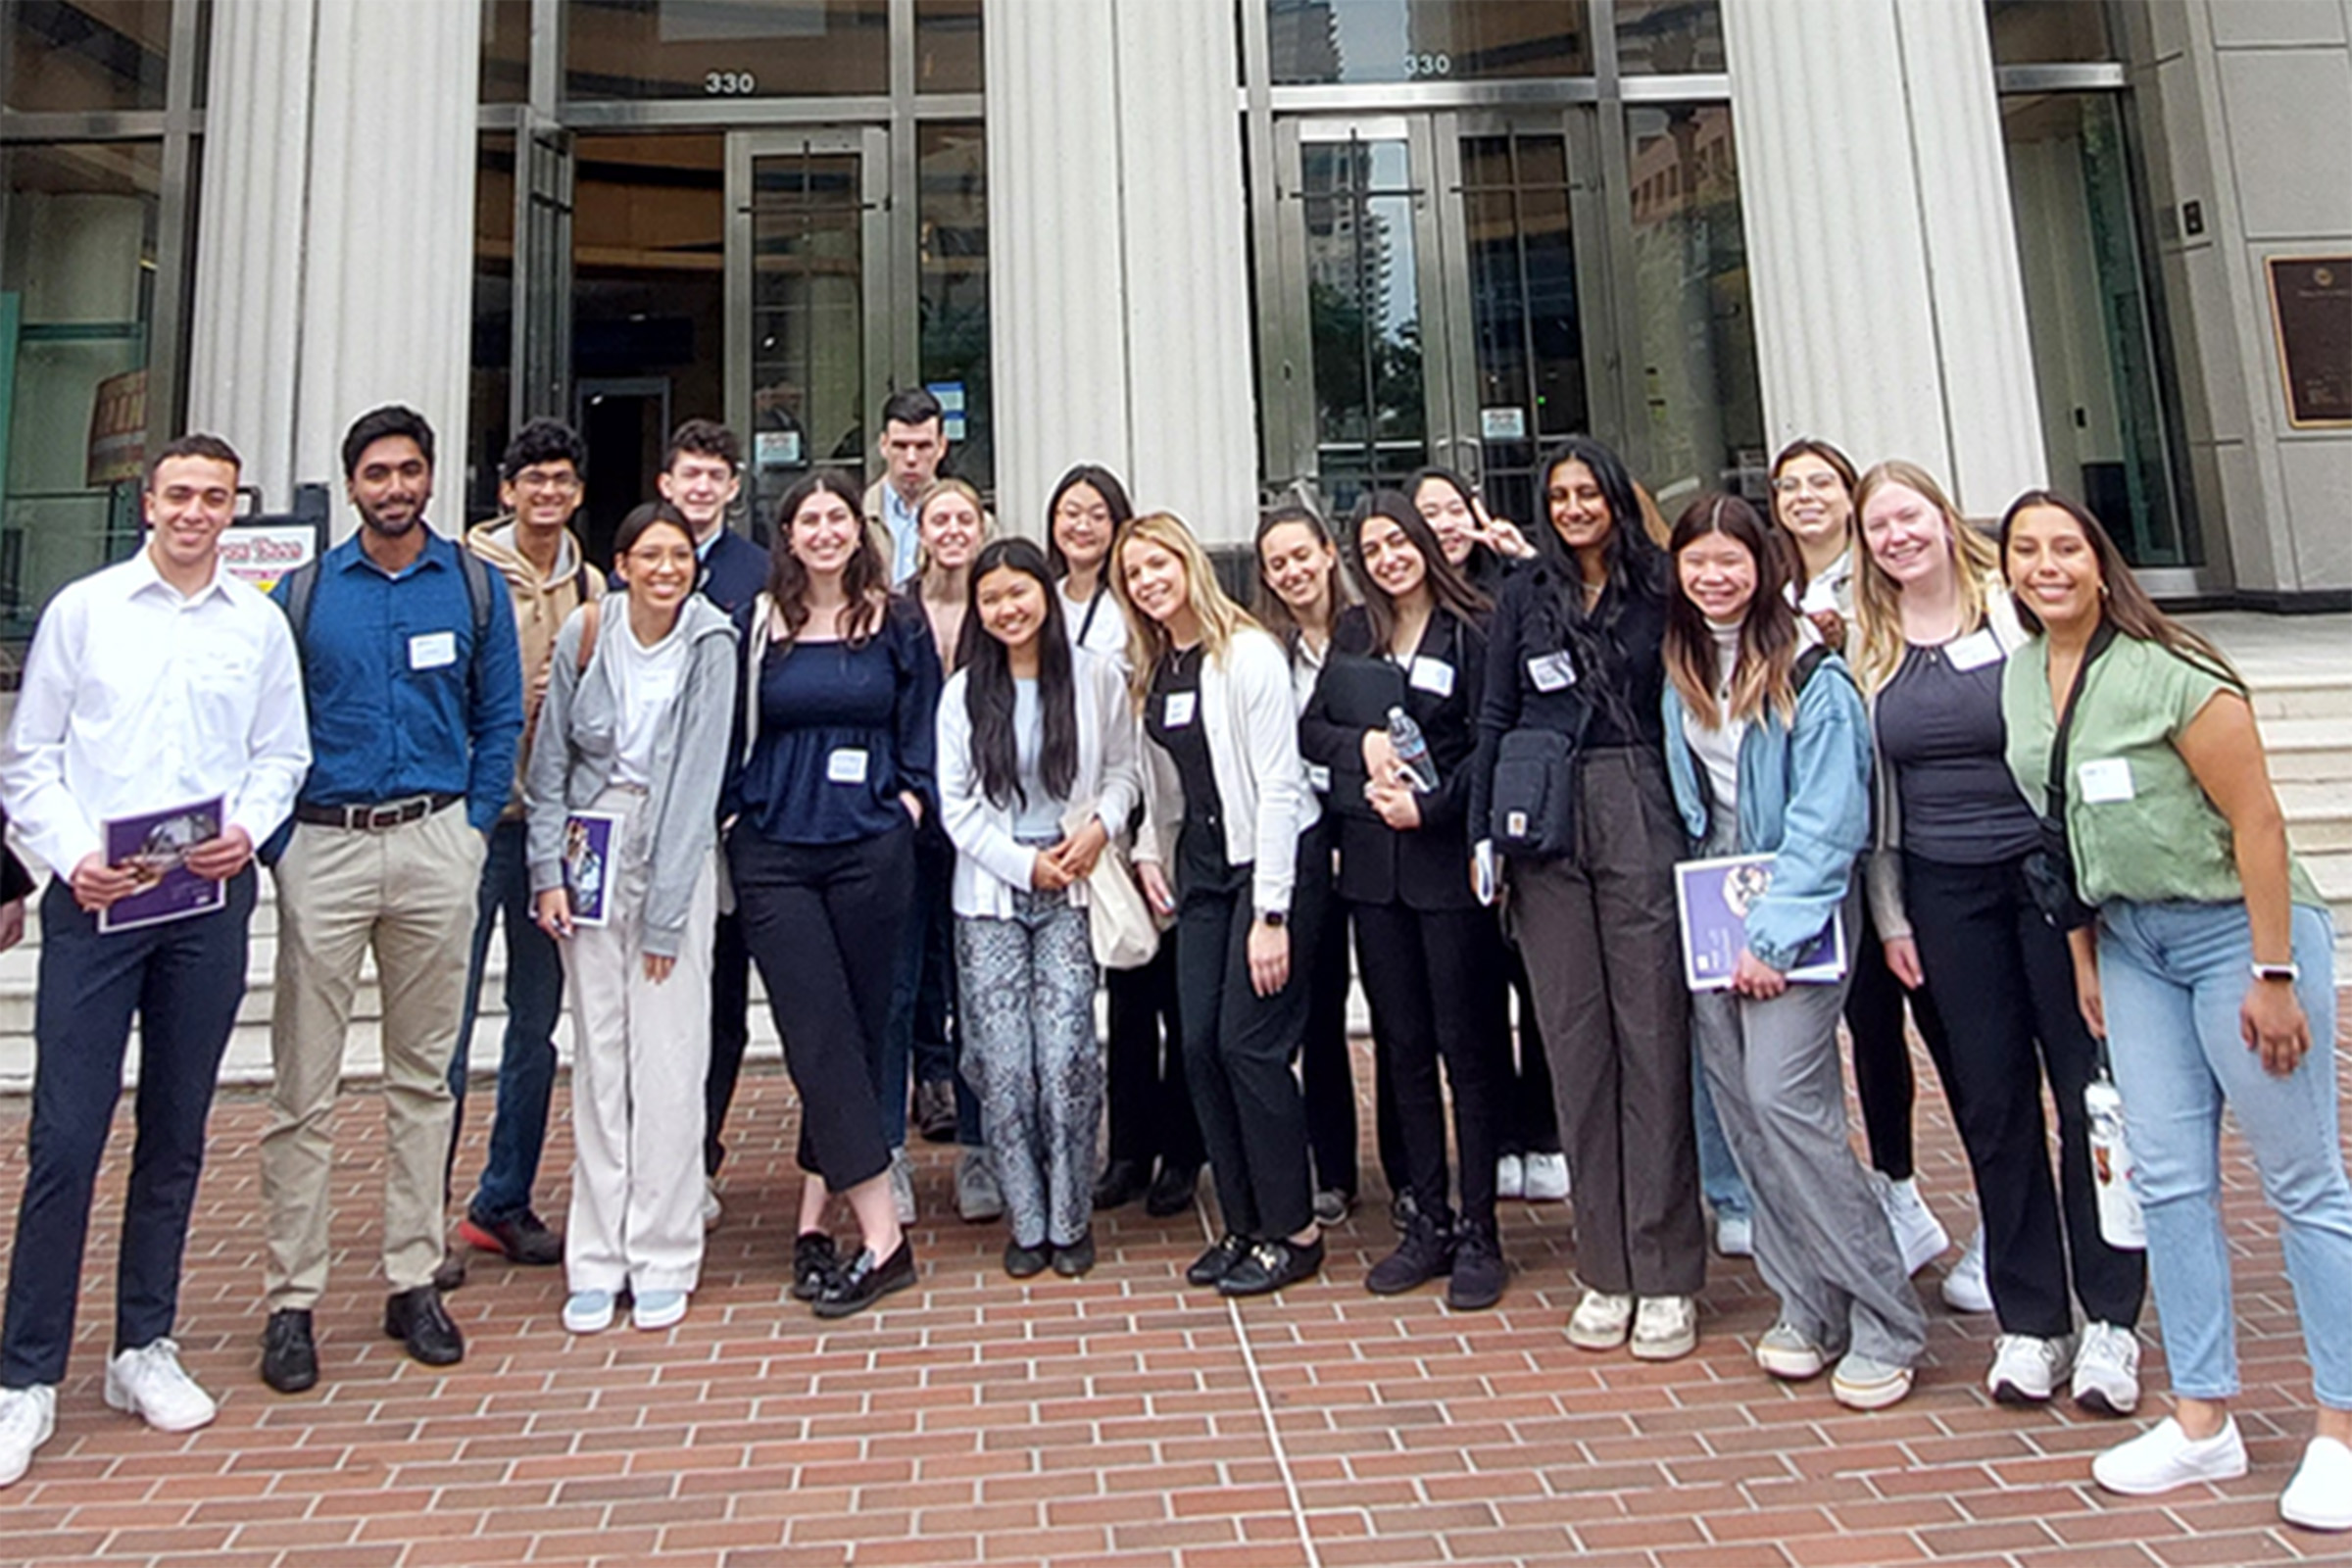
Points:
(135, 700)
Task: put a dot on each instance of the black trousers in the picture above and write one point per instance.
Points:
(826, 922)
(1883, 1081)
(182, 980)
(1433, 981)
(1238, 1047)
(2007, 984)
(1526, 1121)
(1150, 1104)
(730, 1032)
(1325, 1071)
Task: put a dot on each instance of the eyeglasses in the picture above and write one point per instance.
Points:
(560, 480)
(1823, 483)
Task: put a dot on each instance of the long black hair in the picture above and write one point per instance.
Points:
(1449, 592)
(1104, 483)
(1763, 678)
(988, 688)
(1635, 568)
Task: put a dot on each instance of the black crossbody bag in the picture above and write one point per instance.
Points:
(2049, 869)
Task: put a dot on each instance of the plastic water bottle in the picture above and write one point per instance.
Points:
(1412, 751)
(2120, 1219)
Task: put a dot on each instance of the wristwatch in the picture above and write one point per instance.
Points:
(1273, 919)
(2288, 972)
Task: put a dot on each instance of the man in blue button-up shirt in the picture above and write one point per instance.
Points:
(414, 685)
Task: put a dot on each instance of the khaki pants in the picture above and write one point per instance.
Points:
(408, 892)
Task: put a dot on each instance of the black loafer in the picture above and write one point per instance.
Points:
(1027, 1263)
(419, 1322)
(451, 1275)
(1171, 1190)
(1123, 1181)
(815, 1263)
(1270, 1267)
(1218, 1262)
(1075, 1258)
(865, 1282)
(289, 1355)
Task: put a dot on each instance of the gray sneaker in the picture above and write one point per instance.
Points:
(902, 1185)
(977, 1198)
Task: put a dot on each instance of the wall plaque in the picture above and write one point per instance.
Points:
(2311, 311)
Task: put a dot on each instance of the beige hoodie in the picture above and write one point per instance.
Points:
(540, 608)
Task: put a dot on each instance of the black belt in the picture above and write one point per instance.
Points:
(379, 816)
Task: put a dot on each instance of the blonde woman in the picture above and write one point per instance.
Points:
(1933, 632)
(1223, 775)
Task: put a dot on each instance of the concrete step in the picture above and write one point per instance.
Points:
(2310, 751)
(2319, 815)
(2302, 697)
(2331, 869)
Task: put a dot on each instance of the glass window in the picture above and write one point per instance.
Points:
(490, 373)
(2088, 304)
(1705, 414)
(1669, 38)
(77, 54)
(77, 253)
(2042, 32)
(1363, 302)
(951, 209)
(947, 45)
(1412, 40)
(506, 51)
(725, 48)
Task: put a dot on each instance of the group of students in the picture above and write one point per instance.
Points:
(1483, 750)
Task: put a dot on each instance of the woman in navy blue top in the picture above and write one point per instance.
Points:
(831, 771)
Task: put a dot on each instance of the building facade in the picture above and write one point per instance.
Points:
(1232, 248)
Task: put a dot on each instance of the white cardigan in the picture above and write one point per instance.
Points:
(1250, 717)
(990, 863)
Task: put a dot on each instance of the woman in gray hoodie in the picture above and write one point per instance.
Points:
(626, 767)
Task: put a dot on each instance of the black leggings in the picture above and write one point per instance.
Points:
(1150, 1106)
(1883, 1081)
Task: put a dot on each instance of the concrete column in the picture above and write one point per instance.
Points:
(1883, 263)
(334, 257)
(1118, 281)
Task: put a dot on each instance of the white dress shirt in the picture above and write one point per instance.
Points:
(135, 700)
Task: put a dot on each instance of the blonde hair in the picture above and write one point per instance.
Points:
(1878, 599)
(1148, 641)
(923, 503)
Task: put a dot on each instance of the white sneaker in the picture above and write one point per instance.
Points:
(657, 1309)
(902, 1185)
(150, 1383)
(2165, 1456)
(1785, 1353)
(27, 1419)
(2025, 1370)
(1665, 1328)
(1735, 1234)
(1918, 1234)
(1544, 1177)
(712, 1208)
(1600, 1321)
(1964, 1287)
(588, 1312)
(1511, 1177)
(2107, 1369)
(1862, 1384)
(2319, 1497)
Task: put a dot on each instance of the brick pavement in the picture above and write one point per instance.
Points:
(1122, 1418)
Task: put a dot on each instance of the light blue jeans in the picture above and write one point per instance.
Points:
(2173, 976)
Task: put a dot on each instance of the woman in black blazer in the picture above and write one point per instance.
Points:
(1429, 957)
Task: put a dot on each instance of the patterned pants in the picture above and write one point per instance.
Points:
(1028, 991)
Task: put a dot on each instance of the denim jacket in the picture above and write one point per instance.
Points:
(1804, 796)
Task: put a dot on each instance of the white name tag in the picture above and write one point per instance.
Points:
(432, 650)
(1176, 710)
(1552, 672)
(2106, 780)
(1433, 676)
(846, 766)
(1318, 778)
(1975, 651)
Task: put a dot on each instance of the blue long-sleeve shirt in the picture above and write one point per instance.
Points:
(402, 703)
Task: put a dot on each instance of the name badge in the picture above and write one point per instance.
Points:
(846, 766)
(1433, 676)
(1318, 778)
(432, 650)
(1176, 710)
(2106, 780)
(1975, 651)
(1552, 672)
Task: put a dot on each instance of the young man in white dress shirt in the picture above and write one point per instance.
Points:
(153, 684)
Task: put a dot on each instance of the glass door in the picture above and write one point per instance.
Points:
(808, 296)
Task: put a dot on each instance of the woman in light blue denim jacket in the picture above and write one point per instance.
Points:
(1769, 753)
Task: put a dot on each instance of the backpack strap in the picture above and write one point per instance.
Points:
(1806, 664)
(301, 585)
(755, 653)
(471, 567)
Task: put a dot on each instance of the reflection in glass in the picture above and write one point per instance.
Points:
(2036, 32)
(76, 298)
(1705, 420)
(1668, 37)
(506, 51)
(1529, 350)
(808, 349)
(725, 49)
(1435, 40)
(952, 210)
(490, 375)
(946, 46)
(1363, 317)
(79, 55)
(2086, 301)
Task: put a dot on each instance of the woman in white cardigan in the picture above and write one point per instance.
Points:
(1037, 769)
(1225, 800)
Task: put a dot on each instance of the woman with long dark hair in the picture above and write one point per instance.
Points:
(2210, 971)
(1770, 754)
(1570, 786)
(1037, 768)
(1429, 955)
(829, 773)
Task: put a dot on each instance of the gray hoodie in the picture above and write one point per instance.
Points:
(579, 728)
